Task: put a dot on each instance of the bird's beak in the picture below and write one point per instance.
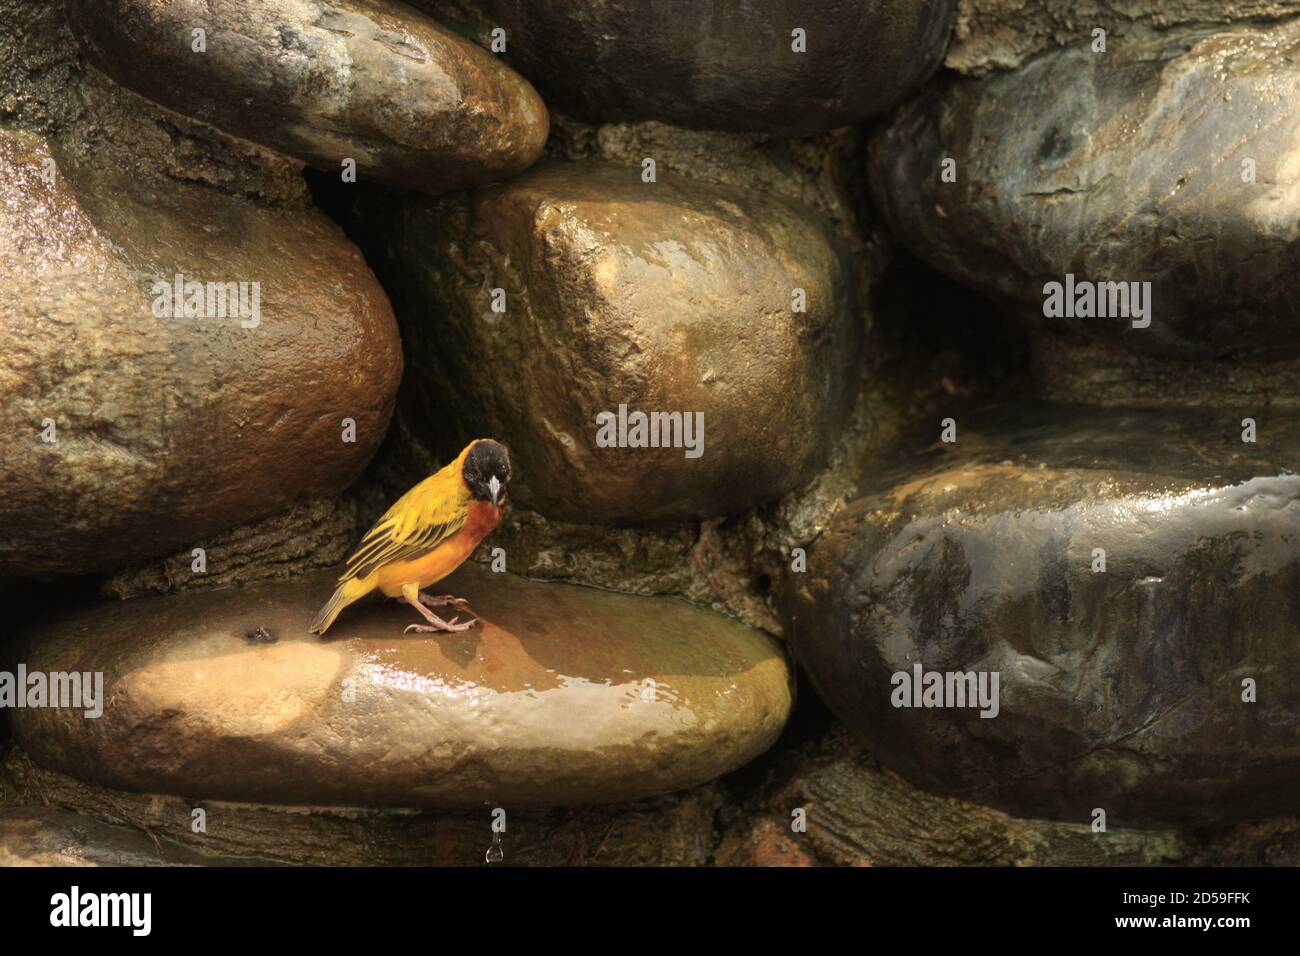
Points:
(494, 487)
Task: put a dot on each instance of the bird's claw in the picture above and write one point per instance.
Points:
(444, 600)
(447, 627)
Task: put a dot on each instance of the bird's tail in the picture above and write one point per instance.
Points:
(347, 592)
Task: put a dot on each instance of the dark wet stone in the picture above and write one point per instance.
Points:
(857, 813)
(1127, 167)
(411, 101)
(564, 696)
(725, 65)
(1120, 690)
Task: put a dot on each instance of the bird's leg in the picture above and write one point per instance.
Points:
(444, 600)
(436, 624)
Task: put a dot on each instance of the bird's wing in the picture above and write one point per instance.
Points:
(424, 518)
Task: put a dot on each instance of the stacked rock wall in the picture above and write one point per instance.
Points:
(265, 265)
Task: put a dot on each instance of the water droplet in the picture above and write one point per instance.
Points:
(494, 853)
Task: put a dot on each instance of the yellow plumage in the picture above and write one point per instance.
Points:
(422, 538)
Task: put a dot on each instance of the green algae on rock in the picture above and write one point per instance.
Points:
(413, 103)
(1172, 161)
(565, 696)
(1124, 574)
(672, 296)
(125, 434)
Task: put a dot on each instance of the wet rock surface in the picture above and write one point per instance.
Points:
(722, 65)
(36, 836)
(661, 297)
(1120, 689)
(1171, 161)
(565, 696)
(143, 432)
(856, 813)
(47, 88)
(674, 830)
(1003, 34)
(411, 101)
(311, 535)
(617, 730)
(1073, 370)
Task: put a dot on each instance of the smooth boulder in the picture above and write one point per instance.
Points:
(563, 696)
(128, 428)
(1128, 575)
(726, 65)
(1172, 161)
(671, 297)
(410, 101)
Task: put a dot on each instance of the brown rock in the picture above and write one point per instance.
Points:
(722, 65)
(673, 830)
(324, 80)
(45, 836)
(169, 429)
(1163, 171)
(772, 847)
(859, 814)
(663, 297)
(311, 535)
(564, 696)
(1003, 34)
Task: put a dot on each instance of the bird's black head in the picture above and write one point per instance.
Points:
(487, 471)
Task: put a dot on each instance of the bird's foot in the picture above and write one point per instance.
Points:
(437, 625)
(444, 600)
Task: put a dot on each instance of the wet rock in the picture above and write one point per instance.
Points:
(1171, 161)
(1074, 370)
(721, 65)
(565, 696)
(856, 813)
(311, 535)
(659, 297)
(673, 830)
(46, 836)
(1123, 689)
(822, 172)
(1002, 34)
(111, 416)
(409, 100)
(46, 89)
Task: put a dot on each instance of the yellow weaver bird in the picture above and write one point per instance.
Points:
(426, 535)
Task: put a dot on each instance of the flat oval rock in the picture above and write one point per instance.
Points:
(411, 101)
(1173, 161)
(564, 696)
(1121, 684)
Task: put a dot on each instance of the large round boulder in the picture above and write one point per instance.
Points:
(135, 419)
(558, 310)
(1072, 609)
